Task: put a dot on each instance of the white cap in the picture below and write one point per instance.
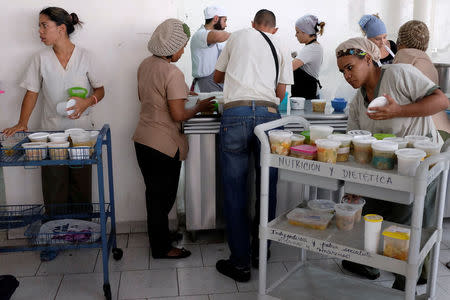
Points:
(212, 11)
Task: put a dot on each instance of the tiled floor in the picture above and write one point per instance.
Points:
(78, 274)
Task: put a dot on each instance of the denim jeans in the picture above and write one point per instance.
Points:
(237, 143)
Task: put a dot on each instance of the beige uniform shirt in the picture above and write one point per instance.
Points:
(159, 82)
(405, 84)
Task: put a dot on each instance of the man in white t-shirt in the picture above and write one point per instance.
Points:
(256, 70)
(206, 46)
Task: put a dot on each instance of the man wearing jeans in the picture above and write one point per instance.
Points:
(255, 74)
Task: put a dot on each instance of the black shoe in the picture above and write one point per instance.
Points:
(255, 259)
(183, 254)
(226, 268)
(365, 271)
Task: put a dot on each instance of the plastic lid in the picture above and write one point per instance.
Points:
(364, 139)
(38, 135)
(71, 130)
(345, 209)
(58, 134)
(329, 144)
(357, 201)
(318, 100)
(307, 149)
(398, 140)
(280, 133)
(427, 145)
(321, 127)
(410, 153)
(379, 101)
(2, 92)
(322, 205)
(384, 146)
(305, 133)
(397, 232)
(382, 136)
(359, 132)
(373, 218)
(340, 137)
(34, 145)
(414, 138)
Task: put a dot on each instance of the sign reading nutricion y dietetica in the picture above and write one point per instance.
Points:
(342, 172)
(323, 247)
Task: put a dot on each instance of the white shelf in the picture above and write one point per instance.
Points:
(348, 245)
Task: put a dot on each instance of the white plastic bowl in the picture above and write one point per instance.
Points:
(58, 137)
(38, 137)
(377, 102)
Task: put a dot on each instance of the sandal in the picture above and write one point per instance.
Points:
(183, 254)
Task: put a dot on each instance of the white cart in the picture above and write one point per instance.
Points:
(303, 281)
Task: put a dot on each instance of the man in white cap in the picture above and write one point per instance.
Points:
(206, 46)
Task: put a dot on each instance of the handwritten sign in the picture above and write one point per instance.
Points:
(343, 171)
(322, 247)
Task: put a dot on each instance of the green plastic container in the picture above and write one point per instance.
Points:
(77, 92)
(306, 135)
(380, 136)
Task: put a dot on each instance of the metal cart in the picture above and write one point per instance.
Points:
(303, 280)
(32, 216)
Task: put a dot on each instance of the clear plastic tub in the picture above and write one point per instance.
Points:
(79, 153)
(344, 149)
(8, 145)
(362, 148)
(58, 150)
(319, 132)
(74, 130)
(402, 143)
(280, 141)
(321, 205)
(93, 140)
(430, 148)
(41, 137)
(357, 202)
(309, 219)
(80, 139)
(396, 242)
(382, 136)
(411, 139)
(297, 139)
(35, 150)
(408, 160)
(327, 150)
(304, 151)
(383, 154)
(318, 105)
(345, 216)
(358, 132)
(59, 137)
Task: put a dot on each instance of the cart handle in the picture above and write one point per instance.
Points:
(424, 166)
(260, 130)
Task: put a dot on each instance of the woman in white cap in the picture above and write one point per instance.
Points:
(51, 73)
(375, 30)
(307, 63)
(412, 99)
(160, 145)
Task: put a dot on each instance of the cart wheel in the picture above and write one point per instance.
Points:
(107, 291)
(117, 253)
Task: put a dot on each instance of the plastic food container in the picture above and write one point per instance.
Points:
(35, 150)
(79, 153)
(297, 139)
(372, 230)
(327, 150)
(377, 102)
(8, 145)
(358, 203)
(73, 130)
(383, 154)
(309, 219)
(81, 138)
(411, 139)
(280, 141)
(58, 137)
(362, 148)
(344, 149)
(321, 205)
(318, 105)
(408, 160)
(396, 242)
(402, 143)
(304, 151)
(345, 216)
(358, 132)
(430, 148)
(382, 136)
(58, 150)
(319, 132)
(306, 134)
(297, 102)
(38, 137)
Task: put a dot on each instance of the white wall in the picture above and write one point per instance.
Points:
(117, 32)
